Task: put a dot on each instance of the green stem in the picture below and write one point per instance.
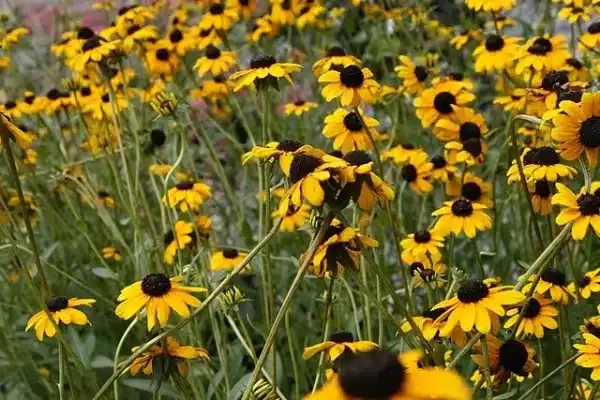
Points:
(550, 375)
(118, 352)
(61, 371)
(325, 332)
(488, 375)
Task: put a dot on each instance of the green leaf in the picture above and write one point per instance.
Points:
(104, 273)
(101, 361)
(238, 389)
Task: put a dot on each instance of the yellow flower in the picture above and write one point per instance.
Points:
(157, 294)
(179, 354)
(590, 283)
(337, 344)
(352, 84)
(219, 17)
(422, 243)
(496, 53)
(62, 310)
(95, 50)
(245, 8)
(187, 195)
(182, 40)
(590, 355)
(22, 139)
(299, 107)
(161, 60)
(294, 218)
(309, 14)
(443, 168)
(515, 102)
(541, 54)
(215, 61)
(575, 14)
(490, 5)
(284, 151)
(227, 259)
(177, 239)
(413, 76)
(335, 58)
(417, 173)
(137, 36)
(554, 282)
(111, 253)
(462, 216)
(431, 330)
(541, 196)
(473, 305)
(163, 170)
(401, 154)
(582, 210)
(264, 71)
(441, 101)
(539, 314)
(590, 40)
(348, 131)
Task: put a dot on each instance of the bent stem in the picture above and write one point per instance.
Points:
(312, 249)
(118, 351)
(211, 297)
(550, 375)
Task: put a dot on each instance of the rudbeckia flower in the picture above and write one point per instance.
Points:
(554, 282)
(294, 218)
(62, 310)
(473, 188)
(348, 131)
(541, 54)
(539, 314)
(160, 60)
(281, 12)
(541, 196)
(132, 15)
(336, 58)
(207, 37)
(496, 53)
(218, 17)
(177, 239)
(462, 216)
(12, 36)
(546, 165)
(309, 14)
(590, 40)
(443, 168)
(264, 71)
(510, 357)
(22, 139)
(473, 304)
(577, 129)
(244, 8)
(361, 183)
(187, 195)
(138, 36)
(284, 151)
(10, 109)
(157, 294)
(381, 374)
(441, 101)
(491, 5)
(463, 125)
(590, 283)
(417, 173)
(101, 108)
(414, 76)
(337, 344)
(352, 85)
(427, 272)
(94, 50)
(110, 253)
(575, 14)
(422, 243)
(164, 169)
(31, 104)
(431, 330)
(178, 355)
(515, 102)
(590, 354)
(582, 210)
(340, 248)
(401, 154)
(215, 61)
(182, 40)
(227, 259)
(299, 107)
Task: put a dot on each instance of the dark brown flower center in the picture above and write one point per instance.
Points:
(352, 76)
(212, 52)
(469, 130)
(299, 103)
(407, 146)
(438, 161)
(540, 47)
(105, 98)
(57, 303)
(341, 337)
(554, 80)
(513, 356)
(433, 314)
(156, 285)
(10, 105)
(415, 268)
(216, 9)
(532, 309)
(357, 157)
(185, 185)
(409, 173)
(230, 253)
(376, 374)
(554, 276)
(336, 51)
(92, 43)
(575, 63)
(472, 291)
(471, 191)
(546, 156)
(588, 204)
(574, 95)
(176, 36)
(289, 145)
(589, 133)
(422, 237)
(53, 94)
(443, 102)
(262, 61)
(594, 28)
(494, 43)
(583, 282)
(462, 208)
(352, 122)
(542, 189)
(473, 146)
(29, 99)
(421, 73)
(84, 33)
(302, 165)
(85, 91)
(162, 54)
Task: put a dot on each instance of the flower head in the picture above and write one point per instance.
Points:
(62, 310)
(352, 85)
(581, 210)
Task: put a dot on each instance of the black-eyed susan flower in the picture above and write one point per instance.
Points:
(422, 243)
(539, 314)
(308, 14)
(352, 85)
(401, 154)
(417, 173)
(31, 104)
(264, 71)
(12, 36)
(299, 107)
(473, 188)
(473, 305)
(515, 102)
(496, 53)
(381, 374)
(132, 15)
(164, 169)
(505, 358)
(245, 8)
(546, 165)
(294, 218)
(577, 70)
(462, 215)
(207, 37)
(215, 61)
(157, 294)
(336, 59)
(94, 51)
(282, 12)
(463, 37)
(575, 13)
(360, 182)
(463, 125)
(161, 60)
(340, 248)
(110, 253)
(227, 259)
(178, 357)
(22, 139)
(182, 40)
(590, 283)
(62, 310)
(414, 76)
(187, 195)
(177, 239)
(443, 169)
(581, 210)
(541, 54)
(590, 354)
(491, 5)
(427, 272)
(219, 17)
(577, 129)
(137, 36)
(441, 101)
(431, 330)
(337, 344)
(590, 40)
(554, 282)
(347, 130)
(541, 196)
(284, 151)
